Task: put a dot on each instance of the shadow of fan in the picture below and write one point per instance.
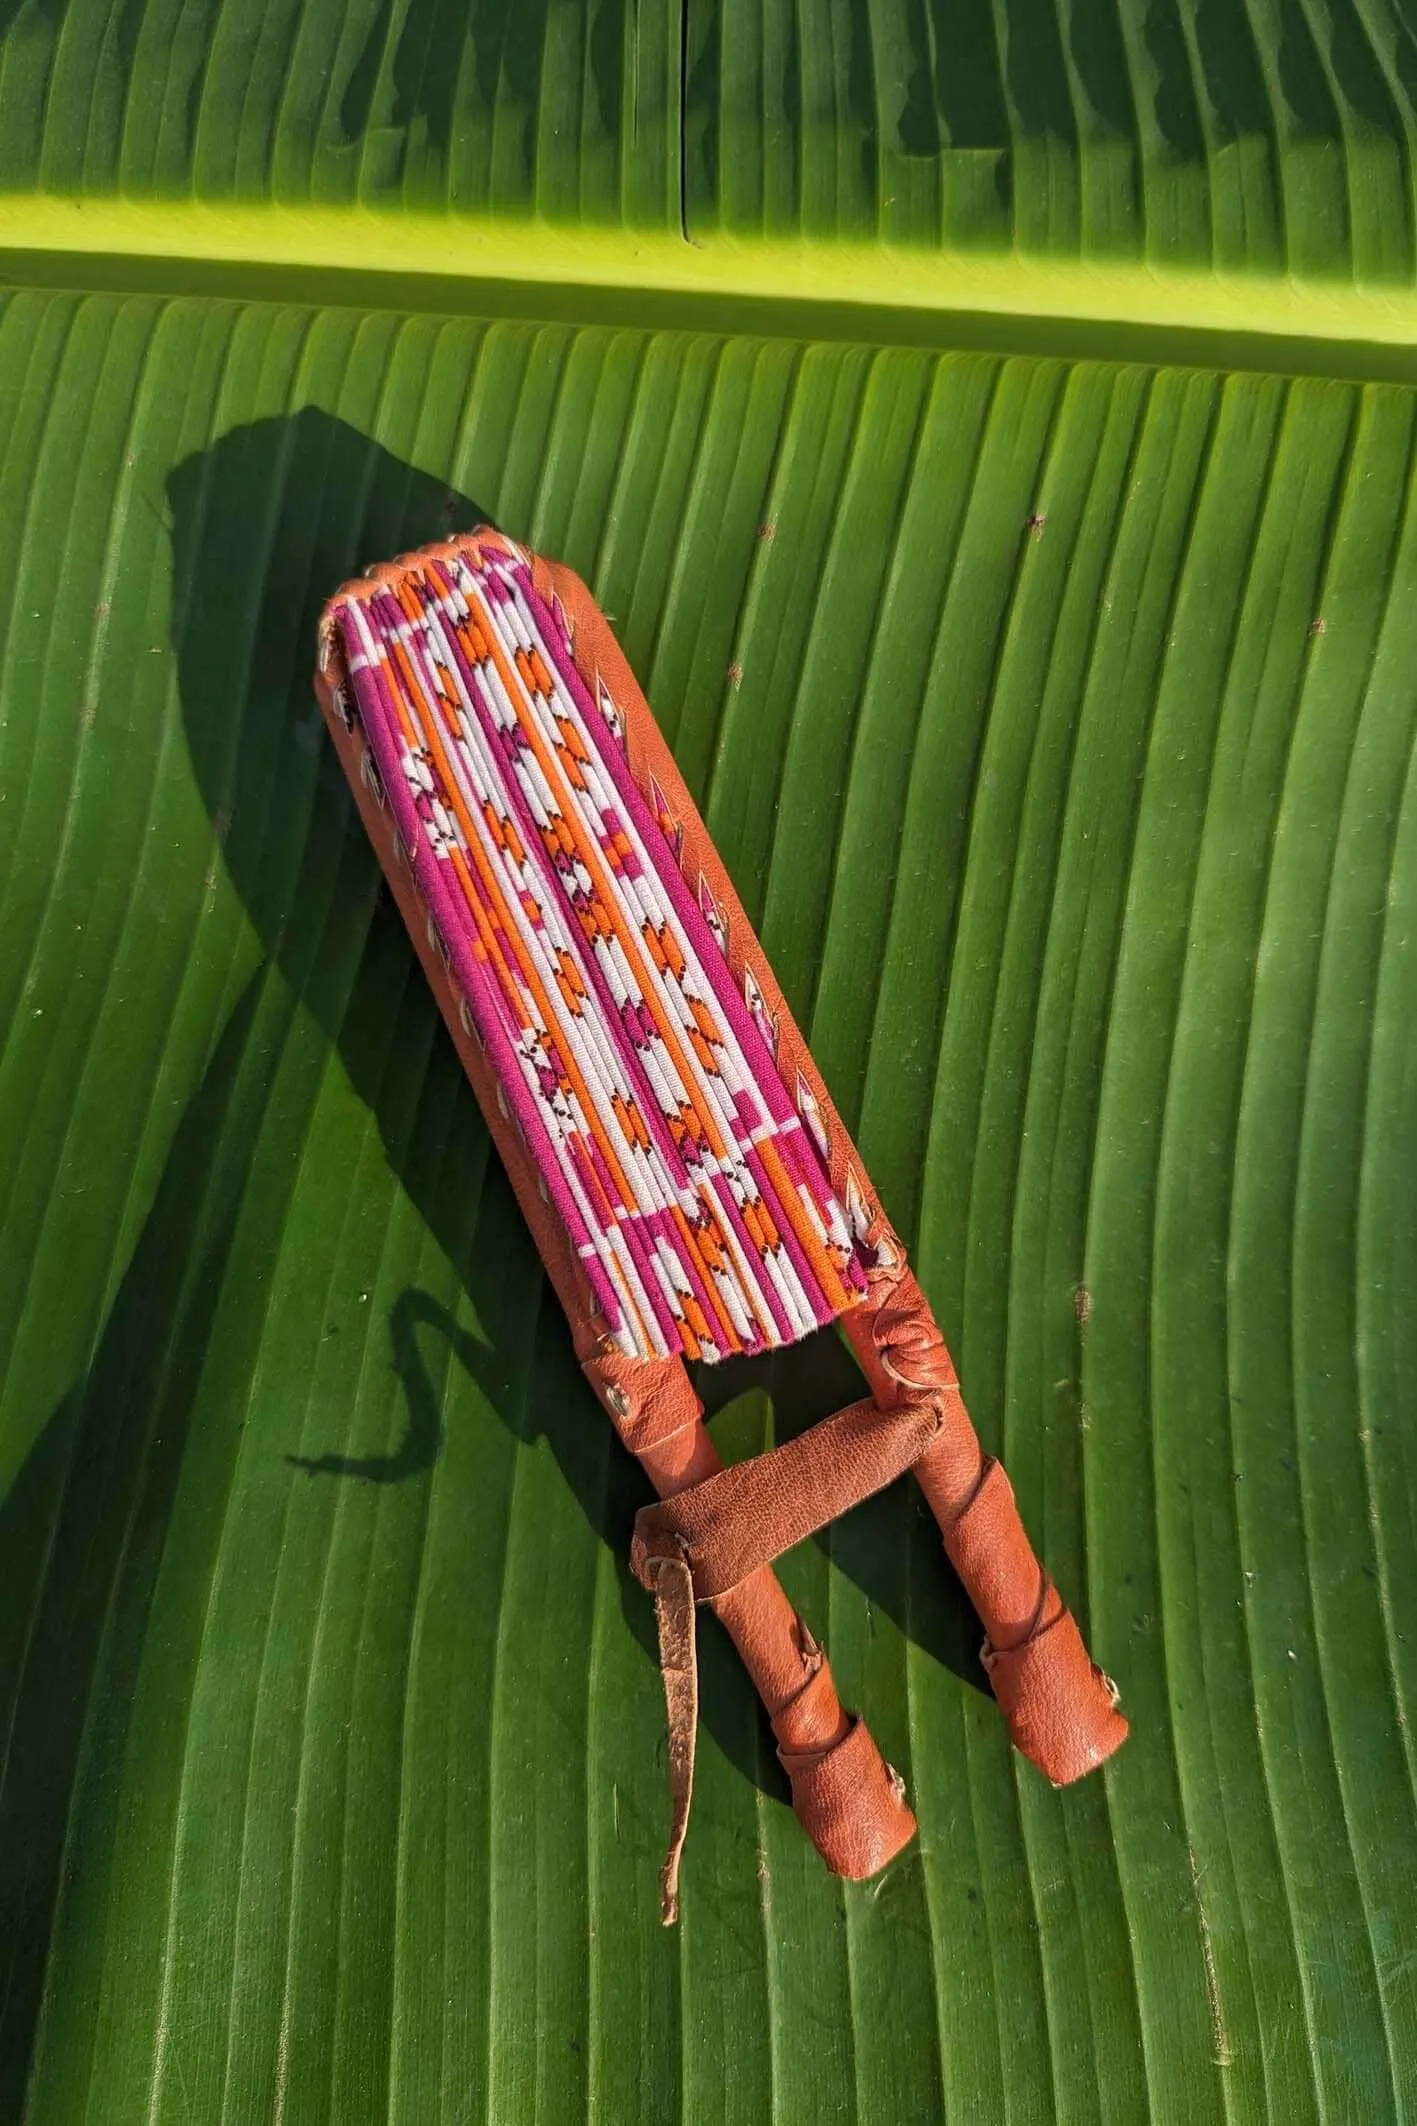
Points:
(420, 1445)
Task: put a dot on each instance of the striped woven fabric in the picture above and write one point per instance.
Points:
(641, 1079)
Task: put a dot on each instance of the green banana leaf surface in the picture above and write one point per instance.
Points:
(992, 428)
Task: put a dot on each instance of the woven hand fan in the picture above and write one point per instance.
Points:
(690, 1187)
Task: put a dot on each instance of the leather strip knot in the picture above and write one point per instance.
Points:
(907, 1338)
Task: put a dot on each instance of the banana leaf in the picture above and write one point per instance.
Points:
(992, 430)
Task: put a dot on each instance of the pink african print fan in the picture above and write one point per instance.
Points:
(690, 1186)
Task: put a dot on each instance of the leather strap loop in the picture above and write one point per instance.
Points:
(747, 1515)
(679, 1668)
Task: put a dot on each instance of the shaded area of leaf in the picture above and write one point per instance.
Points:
(421, 1443)
(96, 1492)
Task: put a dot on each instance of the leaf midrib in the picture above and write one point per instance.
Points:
(821, 290)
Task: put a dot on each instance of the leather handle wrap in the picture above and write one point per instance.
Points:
(848, 1800)
(1060, 1708)
(744, 1517)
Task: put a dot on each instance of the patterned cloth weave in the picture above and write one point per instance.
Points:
(641, 1079)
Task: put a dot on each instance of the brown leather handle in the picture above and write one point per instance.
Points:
(1060, 1707)
(738, 1519)
(846, 1797)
